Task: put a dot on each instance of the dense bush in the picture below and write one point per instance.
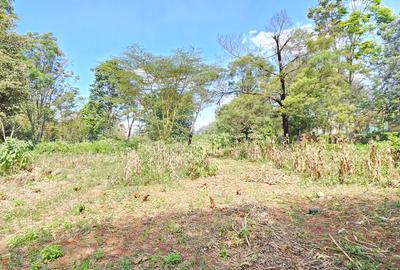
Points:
(158, 162)
(14, 155)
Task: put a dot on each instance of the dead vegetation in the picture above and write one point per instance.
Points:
(342, 163)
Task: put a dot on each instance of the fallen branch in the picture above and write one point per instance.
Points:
(342, 250)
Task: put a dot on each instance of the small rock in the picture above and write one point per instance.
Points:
(320, 195)
(313, 211)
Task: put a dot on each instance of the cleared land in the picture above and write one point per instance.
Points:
(66, 212)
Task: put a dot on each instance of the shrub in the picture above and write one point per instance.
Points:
(14, 155)
(51, 253)
(173, 258)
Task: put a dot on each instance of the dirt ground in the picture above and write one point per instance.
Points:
(248, 216)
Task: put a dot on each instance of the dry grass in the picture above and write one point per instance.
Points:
(342, 163)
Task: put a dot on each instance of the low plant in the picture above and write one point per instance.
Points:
(29, 237)
(173, 258)
(51, 253)
(224, 253)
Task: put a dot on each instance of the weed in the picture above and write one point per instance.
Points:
(99, 254)
(173, 258)
(125, 264)
(19, 202)
(28, 238)
(51, 253)
(79, 209)
(224, 253)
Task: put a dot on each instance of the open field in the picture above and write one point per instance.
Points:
(66, 212)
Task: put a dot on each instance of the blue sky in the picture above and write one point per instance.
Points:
(90, 31)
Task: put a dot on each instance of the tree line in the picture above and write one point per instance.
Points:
(340, 75)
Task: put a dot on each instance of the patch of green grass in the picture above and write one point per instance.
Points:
(19, 202)
(79, 209)
(125, 264)
(244, 233)
(224, 253)
(29, 238)
(173, 258)
(85, 265)
(100, 240)
(51, 253)
(99, 254)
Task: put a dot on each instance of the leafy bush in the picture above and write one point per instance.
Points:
(14, 155)
(51, 253)
(173, 258)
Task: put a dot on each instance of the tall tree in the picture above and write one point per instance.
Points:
(49, 81)
(387, 93)
(284, 52)
(13, 82)
(351, 29)
(171, 90)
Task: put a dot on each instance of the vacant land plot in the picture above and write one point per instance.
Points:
(67, 213)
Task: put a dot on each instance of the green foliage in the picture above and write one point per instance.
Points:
(245, 115)
(14, 155)
(29, 238)
(173, 258)
(221, 140)
(51, 253)
(13, 86)
(101, 146)
(99, 254)
(50, 90)
(224, 253)
(79, 209)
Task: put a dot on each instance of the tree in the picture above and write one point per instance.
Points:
(13, 82)
(171, 90)
(49, 81)
(351, 30)
(203, 92)
(245, 115)
(320, 96)
(94, 120)
(387, 94)
(284, 53)
(105, 92)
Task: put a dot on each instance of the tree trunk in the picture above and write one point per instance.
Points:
(190, 138)
(285, 126)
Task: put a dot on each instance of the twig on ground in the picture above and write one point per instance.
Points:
(342, 250)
